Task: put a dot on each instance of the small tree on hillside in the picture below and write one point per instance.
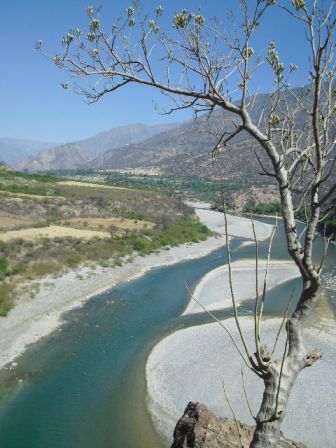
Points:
(199, 65)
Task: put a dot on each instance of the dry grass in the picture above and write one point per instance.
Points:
(26, 195)
(13, 223)
(72, 183)
(137, 171)
(52, 231)
(104, 224)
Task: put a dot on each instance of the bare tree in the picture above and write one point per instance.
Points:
(202, 65)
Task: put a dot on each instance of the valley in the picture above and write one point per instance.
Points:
(49, 225)
(168, 224)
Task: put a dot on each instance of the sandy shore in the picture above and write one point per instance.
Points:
(237, 226)
(32, 319)
(191, 364)
(213, 291)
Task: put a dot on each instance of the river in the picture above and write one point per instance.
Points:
(84, 386)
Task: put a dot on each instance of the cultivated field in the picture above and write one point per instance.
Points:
(52, 231)
(72, 183)
(27, 195)
(104, 224)
(10, 223)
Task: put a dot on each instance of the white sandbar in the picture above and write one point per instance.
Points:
(237, 226)
(191, 364)
(213, 291)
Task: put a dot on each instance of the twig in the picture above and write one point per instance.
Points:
(266, 274)
(256, 335)
(228, 249)
(222, 325)
(234, 415)
(246, 397)
(283, 320)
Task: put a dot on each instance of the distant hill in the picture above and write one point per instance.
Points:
(120, 136)
(92, 147)
(69, 156)
(13, 151)
(174, 149)
(184, 151)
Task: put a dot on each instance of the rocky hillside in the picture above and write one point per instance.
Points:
(185, 150)
(67, 157)
(60, 157)
(13, 151)
(120, 136)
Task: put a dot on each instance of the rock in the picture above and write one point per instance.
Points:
(200, 428)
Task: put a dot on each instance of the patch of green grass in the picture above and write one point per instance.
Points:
(6, 302)
(27, 189)
(263, 208)
(183, 230)
(36, 177)
(3, 265)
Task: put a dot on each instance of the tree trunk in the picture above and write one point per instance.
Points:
(274, 402)
(284, 372)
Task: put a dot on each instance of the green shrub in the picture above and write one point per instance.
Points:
(3, 264)
(5, 298)
(263, 208)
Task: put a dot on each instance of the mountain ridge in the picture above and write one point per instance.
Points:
(93, 146)
(13, 150)
(68, 156)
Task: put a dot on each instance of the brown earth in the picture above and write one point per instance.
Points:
(200, 428)
(9, 223)
(237, 200)
(52, 231)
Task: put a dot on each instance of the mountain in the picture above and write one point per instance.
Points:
(92, 147)
(184, 150)
(63, 157)
(120, 136)
(13, 151)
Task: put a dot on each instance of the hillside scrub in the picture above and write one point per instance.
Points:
(34, 184)
(22, 260)
(138, 221)
(44, 178)
(65, 202)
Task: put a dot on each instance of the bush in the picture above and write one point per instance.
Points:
(3, 264)
(5, 298)
(263, 208)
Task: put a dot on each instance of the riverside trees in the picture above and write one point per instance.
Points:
(202, 65)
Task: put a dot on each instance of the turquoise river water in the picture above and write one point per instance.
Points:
(84, 386)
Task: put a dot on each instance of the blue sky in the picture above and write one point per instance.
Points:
(34, 106)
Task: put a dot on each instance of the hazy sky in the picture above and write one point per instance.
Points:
(34, 106)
